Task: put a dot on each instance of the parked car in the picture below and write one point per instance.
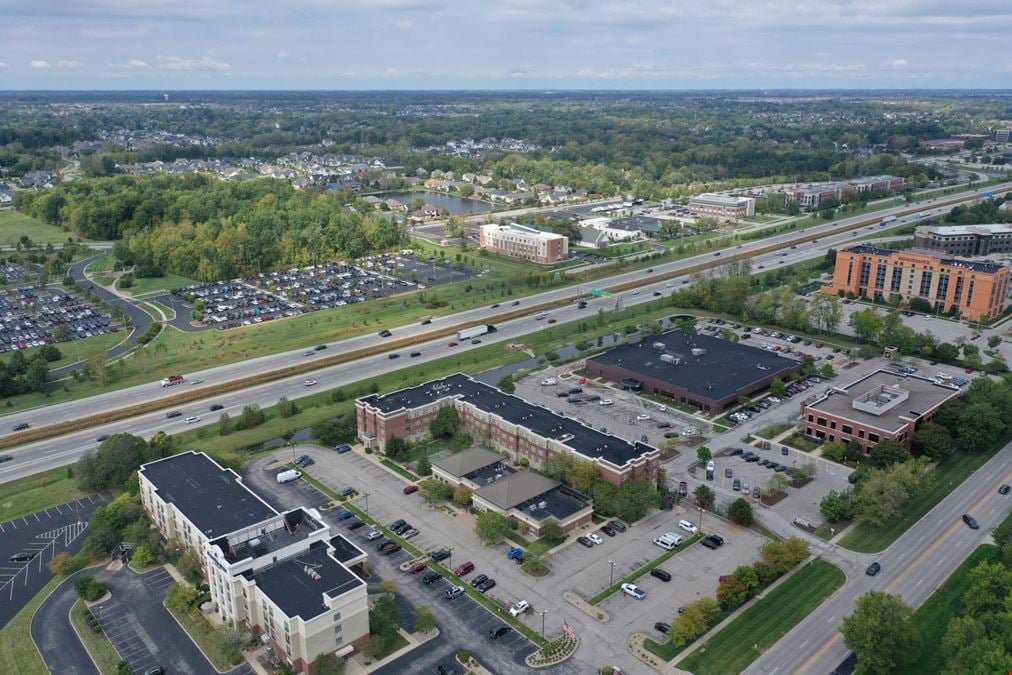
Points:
(389, 548)
(478, 580)
(519, 608)
(342, 448)
(608, 531)
(431, 578)
(617, 525)
(446, 669)
(688, 527)
(374, 535)
(409, 533)
(464, 569)
(515, 552)
(498, 631)
(410, 489)
(416, 567)
(304, 461)
(662, 627)
(634, 591)
(683, 488)
(485, 586)
(22, 556)
(348, 492)
(663, 575)
(454, 592)
(440, 555)
(596, 538)
(585, 541)
(345, 514)
(736, 486)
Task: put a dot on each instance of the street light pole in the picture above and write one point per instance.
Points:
(611, 579)
(701, 518)
(366, 495)
(542, 613)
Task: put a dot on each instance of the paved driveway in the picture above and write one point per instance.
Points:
(52, 633)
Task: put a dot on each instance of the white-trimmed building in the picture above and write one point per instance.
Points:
(722, 207)
(520, 241)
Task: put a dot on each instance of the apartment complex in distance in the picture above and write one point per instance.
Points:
(815, 195)
(882, 405)
(283, 574)
(965, 240)
(520, 241)
(503, 422)
(722, 207)
(975, 289)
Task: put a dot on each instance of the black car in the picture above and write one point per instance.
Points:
(495, 306)
(5, 458)
(737, 451)
(102, 437)
(22, 556)
(662, 627)
(663, 575)
(664, 425)
(174, 413)
(396, 523)
(480, 579)
(440, 555)
(873, 569)
(385, 333)
(217, 406)
(304, 460)
(431, 577)
(485, 586)
(355, 524)
(617, 525)
(446, 669)
(395, 355)
(415, 354)
(498, 631)
(586, 542)
(319, 348)
(426, 322)
(971, 521)
(21, 426)
(1003, 490)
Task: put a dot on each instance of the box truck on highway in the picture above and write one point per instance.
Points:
(475, 331)
(887, 220)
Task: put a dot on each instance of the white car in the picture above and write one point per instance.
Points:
(688, 527)
(192, 420)
(519, 608)
(943, 376)
(309, 383)
(662, 408)
(595, 537)
(643, 416)
(633, 590)
(374, 535)
(605, 401)
(548, 382)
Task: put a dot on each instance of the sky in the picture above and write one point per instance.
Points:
(504, 44)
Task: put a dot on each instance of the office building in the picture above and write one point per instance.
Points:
(965, 240)
(520, 241)
(722, 207)
(974, 290)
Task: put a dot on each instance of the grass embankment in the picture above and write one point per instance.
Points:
(639, 572)
(98, 645)
(867, 538)
(773, 431)
(743, 640)
(18, 653)
(162, 284)
(931, 620)
(14, 225)
(204, 636)
(35, 493)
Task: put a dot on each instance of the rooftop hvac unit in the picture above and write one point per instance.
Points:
(659, 346)
(497, 476)
(532, 508)
(698, 351)
(670, 358)
(542, 505)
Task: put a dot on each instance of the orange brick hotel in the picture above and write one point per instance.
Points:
(978, 289)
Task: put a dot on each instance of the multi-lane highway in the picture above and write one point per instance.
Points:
(42, 455)
(912, 568)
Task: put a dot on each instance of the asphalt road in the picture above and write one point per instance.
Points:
(59, 529)
(32, 458)
(53, 634)
(913, 567)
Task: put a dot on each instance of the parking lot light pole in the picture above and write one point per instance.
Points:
(449, 560)
(366, 495)
(700, 518)
(611, 579)
(542, 613)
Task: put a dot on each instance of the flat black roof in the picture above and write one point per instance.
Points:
(559, 503)
(972, 265)
(707, 366)
(297, 584)
(581, 439)
(211, 497)
(345, 550)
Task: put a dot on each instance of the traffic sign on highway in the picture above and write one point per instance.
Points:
(599, 293)
(988, 195)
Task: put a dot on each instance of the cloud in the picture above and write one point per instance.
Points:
(405, 24)
(391, 72)
(68, 63)
(39, 64)
(204, 63)
(3, 65)
(895, 63)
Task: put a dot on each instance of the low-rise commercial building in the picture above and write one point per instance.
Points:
(520, 241)
(965, 240)
(503, 422)
(528, 498)
(698, 370)
(976, 290)
(723, 207)
(882, 405)
(816, 195)
(282, 574)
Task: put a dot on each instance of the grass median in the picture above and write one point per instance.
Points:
(18, 653)
(931, 620)
(743, 640)
(630, 578)
(98, 645)
(867, 538)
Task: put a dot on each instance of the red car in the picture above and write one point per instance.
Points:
(416, 567)
(453, 344)
(818, 345)
(464, 568)
(410, 489)
(583, 380)
(551, 321)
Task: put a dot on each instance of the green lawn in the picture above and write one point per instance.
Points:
(866, 538)
(98, 645)
(14, 224)
(932, 618)
(35, 493)
(18, 653)
(103, 264)
(204, 635)
(733, 648)
(145, 285)
(773, 430)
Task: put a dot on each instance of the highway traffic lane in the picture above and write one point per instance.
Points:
(912, 567)
(149, 392)
(54, 453)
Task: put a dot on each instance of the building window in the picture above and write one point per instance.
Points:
(925, 284)
(873, 438)
(847, 429)
(860, 433)
(821, 421)
(832, 424)
(958, 294)
(896, 280)
(943, 287)
(880, 276)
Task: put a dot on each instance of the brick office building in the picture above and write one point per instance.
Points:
(503, 422)
(882, 405)
(699, 370)
(976, 289)
(520, 241)
(967, 240)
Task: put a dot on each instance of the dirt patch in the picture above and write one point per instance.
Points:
(772, 498)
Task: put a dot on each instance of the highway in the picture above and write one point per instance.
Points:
(913, 567)
(42, 455)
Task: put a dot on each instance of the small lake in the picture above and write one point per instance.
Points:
(455, 205)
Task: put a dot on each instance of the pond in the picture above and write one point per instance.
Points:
(455, 205)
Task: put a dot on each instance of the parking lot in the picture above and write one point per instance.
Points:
(32, 317)
(276, 295)
(628, 416)
(43, 534)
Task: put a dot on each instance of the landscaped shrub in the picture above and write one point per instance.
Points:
(90, 589)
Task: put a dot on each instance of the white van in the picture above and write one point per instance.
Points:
(288, 475)
(547, 382)
(668, 540)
